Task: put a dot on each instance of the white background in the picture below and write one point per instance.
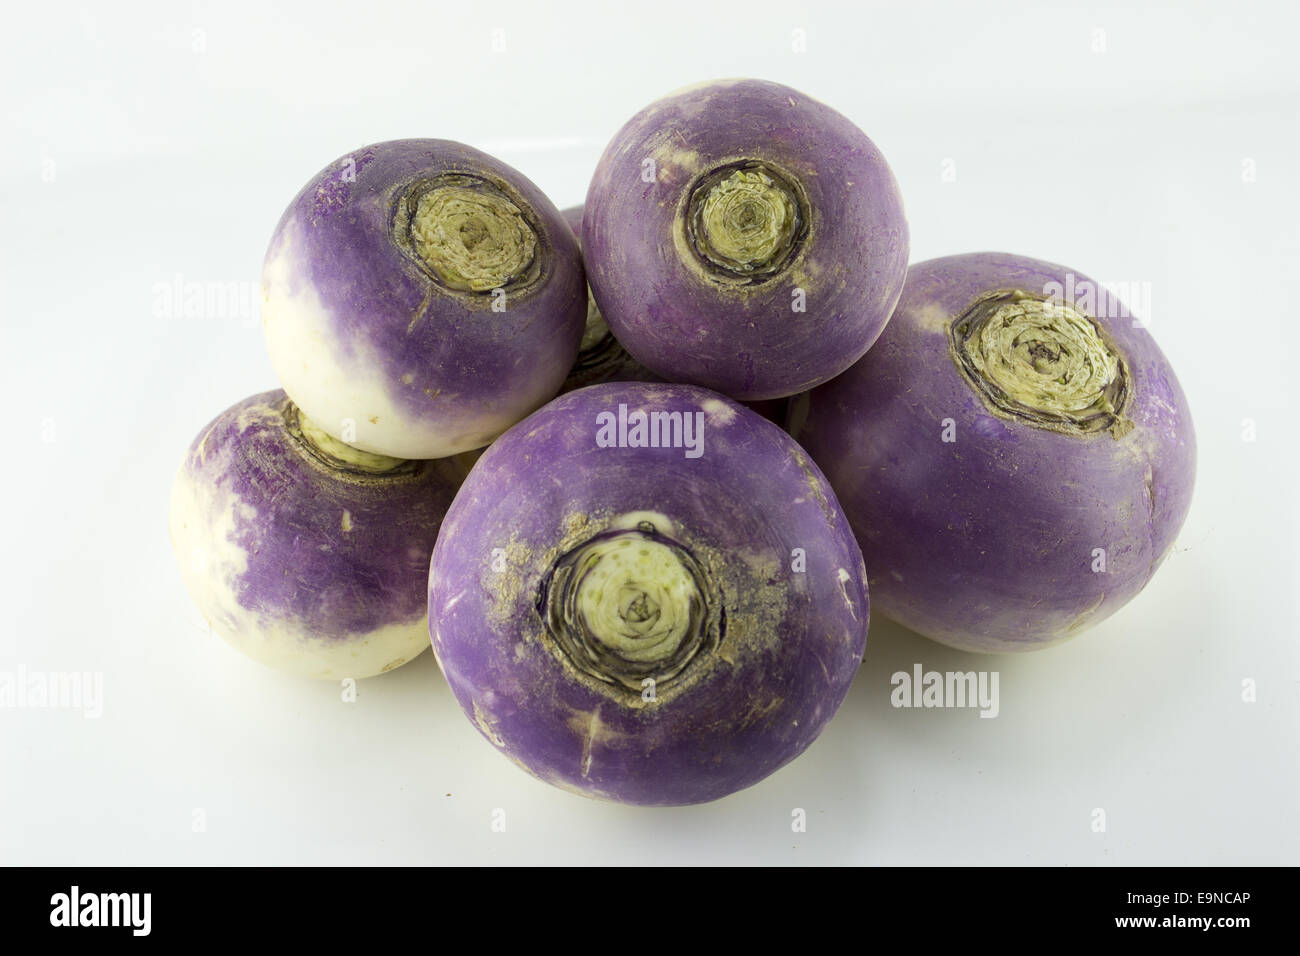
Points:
(1150, 143)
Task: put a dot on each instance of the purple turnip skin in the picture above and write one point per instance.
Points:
(600, 356)
(308, 562)
(989, 541)
(811, 240)
(546, 669)
(421, 297)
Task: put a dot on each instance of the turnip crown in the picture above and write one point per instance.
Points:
(1042, 362)
(627, 605)
(746, 220)
(469, 233)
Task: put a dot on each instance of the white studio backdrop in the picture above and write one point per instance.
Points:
(149, 150)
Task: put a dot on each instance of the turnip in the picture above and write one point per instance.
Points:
(420, 298)
(600, 356)
(744, 237)
(1015, 453)
(305, 554)
(647, 593)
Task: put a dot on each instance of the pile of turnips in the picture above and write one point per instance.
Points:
(644, 589)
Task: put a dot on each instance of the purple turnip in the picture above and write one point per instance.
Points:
(420, 298)
(744, 237)
(647, 593)
(1015, 454)
(600, 356)
(305, 554)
